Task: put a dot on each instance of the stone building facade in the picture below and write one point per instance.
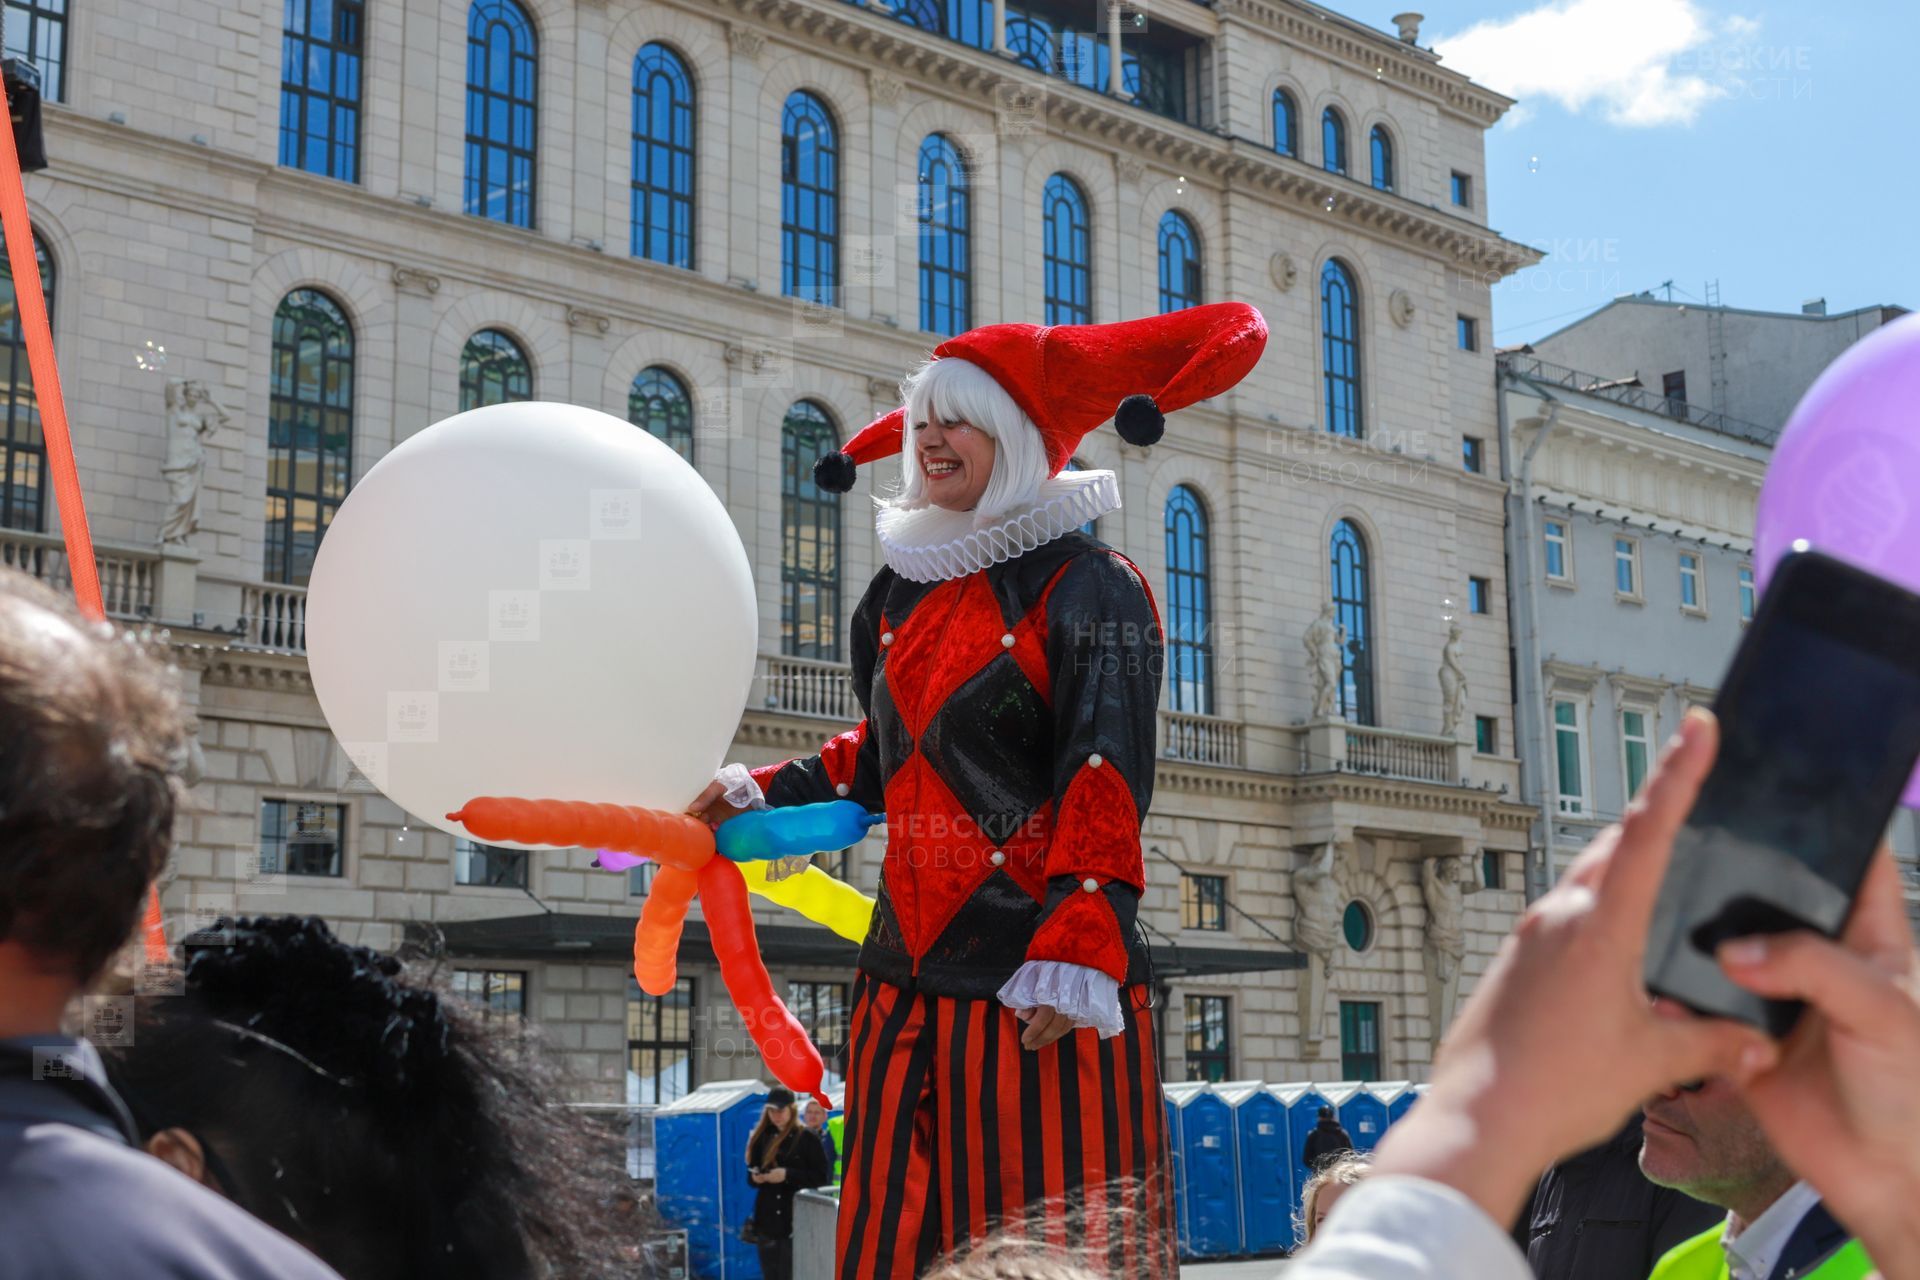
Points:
(179, 214)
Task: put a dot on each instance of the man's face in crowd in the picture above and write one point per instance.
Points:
(1705, 1142)
(814, 1116)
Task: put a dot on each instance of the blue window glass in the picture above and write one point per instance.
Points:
(1353, 612)
(502, 68)
(946, 239)
(493, 370)
(1467, 333)
(1068, 252)
(1463, 189)
(662, 199)
(1179, 262)
(309, 429)
(1333, 141)
(810, 538)
(37, 33)
(320, 88)
(809, 201)
(658, 401)
(1189, 604)
(23, 450)
(1340, 349)
(1382, 159)
(1286, 124)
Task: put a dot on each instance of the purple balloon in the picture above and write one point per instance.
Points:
(1846, 473)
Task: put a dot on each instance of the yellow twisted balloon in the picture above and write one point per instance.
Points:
(817, 896)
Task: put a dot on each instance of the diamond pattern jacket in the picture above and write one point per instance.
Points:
(1009, 735)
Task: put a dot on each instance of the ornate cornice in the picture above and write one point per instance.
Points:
(876, 40)
(225, 665)
(746, 41)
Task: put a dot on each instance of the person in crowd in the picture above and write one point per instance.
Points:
(1327, 1185)
(91, 741)
(1007, 1258)
(358, 1109)
(815, 1118)
(1328, 1139)
(1703, 1140)
(784, 1158)
(1558, 1043)
(1595, 1216)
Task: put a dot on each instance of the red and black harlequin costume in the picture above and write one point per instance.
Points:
(1009, 735)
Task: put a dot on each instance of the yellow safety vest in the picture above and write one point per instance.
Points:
(1702, 1258)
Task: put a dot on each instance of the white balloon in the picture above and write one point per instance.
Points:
(533, 600)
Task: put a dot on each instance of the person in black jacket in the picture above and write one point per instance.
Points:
(1595, 1216)
(783, 1159)
(1327, 1140)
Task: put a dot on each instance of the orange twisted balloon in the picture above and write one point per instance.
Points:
(683, 846)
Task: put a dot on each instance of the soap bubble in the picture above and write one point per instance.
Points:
(151, 357)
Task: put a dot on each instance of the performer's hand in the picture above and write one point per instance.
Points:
(710, 807)
(1044, 1026)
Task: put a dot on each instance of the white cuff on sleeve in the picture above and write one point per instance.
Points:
(1088, 996)
(1401, 1228)
(742, 792)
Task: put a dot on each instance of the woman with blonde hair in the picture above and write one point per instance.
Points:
(1324, 1187)
(783, 1159)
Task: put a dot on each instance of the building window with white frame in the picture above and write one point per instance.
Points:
(1570, 756)
(1626, 567)
(1559, 551)
(1749, 596)
(1636, 747)
(1693, 587)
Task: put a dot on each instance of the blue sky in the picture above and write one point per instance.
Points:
(1769, 146)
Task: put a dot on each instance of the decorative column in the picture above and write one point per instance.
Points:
(999, 26)
(414, 291)
(1116, 83)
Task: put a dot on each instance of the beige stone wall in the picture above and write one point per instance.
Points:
(174, 225)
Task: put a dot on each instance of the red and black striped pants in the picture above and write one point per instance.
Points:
(955, 1133)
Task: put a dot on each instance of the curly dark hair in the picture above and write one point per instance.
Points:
(91, 741)
(361, 1110)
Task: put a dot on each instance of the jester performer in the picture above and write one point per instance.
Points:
(1001, 1073)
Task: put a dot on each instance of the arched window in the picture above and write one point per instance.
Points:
(809, 201)
(493, 370)
(502, 68)
(1068, 252)
(662, 199)
(1286, 124)
(309, 429)
(658, 401)
(1382, 158)
(1092, 527)
(1340, 349)
(320, 88)
(23, 450)
(1189, 604)
(37, 32)
(946, 239)
(1333, 140)
(809, 538)
(1179, 262)
(1353, 612)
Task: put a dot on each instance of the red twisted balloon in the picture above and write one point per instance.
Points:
(683, 846)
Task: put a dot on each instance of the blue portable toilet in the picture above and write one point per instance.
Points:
(1363, 1114)
(1396, 1095)
(1265, 1167)
(1302, 1103)
(1208, 1190)
(700, 1174)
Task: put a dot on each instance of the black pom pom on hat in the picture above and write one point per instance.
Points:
(1139, 421)
(834, 472)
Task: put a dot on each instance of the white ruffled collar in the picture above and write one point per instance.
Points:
(929, 544)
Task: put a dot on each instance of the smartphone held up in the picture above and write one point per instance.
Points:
(1819, 731)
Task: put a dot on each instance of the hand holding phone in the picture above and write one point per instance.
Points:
(1819, 730)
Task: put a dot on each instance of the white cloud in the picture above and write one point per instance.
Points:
(1633, 61)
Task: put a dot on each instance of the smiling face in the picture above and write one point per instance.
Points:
(1706, 1143)
(956, 458)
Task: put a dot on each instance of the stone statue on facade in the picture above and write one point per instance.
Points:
(1453, 686)
(1444, 883)
(1316, 931)
(192, 415)
(1326, 642)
